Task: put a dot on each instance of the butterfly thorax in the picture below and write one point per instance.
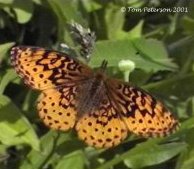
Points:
(91, 94)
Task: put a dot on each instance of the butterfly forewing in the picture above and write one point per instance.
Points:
(42, 69)
(142, 113)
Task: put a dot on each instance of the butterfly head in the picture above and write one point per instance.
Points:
(100, 74)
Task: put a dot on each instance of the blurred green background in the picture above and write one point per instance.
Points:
(160, 44)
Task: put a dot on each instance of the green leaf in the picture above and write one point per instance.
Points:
(115, 51)
(6, 2)
(179, 86)
(74, 160)
(7, 78)
(136, 32)
(3, 153)
(154, 51)
(114, 19)
(186, 159)
(4, 49)
(91, 5)
(188, 124)
(135, 3)
(14, 127)
(60, 19)
(146, 154)
(49, 142)
(68, 9)
(24, 11)
(188, 24)
(39, 2)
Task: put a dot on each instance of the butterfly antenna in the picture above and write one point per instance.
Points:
(104, 65)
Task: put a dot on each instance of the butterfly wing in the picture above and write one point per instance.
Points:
(142, 113)
(57, 76)
(57, 107)
(102, 127)
(43, 69)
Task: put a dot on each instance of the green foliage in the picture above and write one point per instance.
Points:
(137, 51)
(160, 45)
(14, 127)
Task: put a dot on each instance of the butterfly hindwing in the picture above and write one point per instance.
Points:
(57, 109)
(103, 127)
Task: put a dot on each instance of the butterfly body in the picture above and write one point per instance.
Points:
(103, 110)
(90, 94)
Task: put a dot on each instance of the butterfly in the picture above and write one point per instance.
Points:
(103, 110)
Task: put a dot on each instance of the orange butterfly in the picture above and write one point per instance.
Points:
(101, 109)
